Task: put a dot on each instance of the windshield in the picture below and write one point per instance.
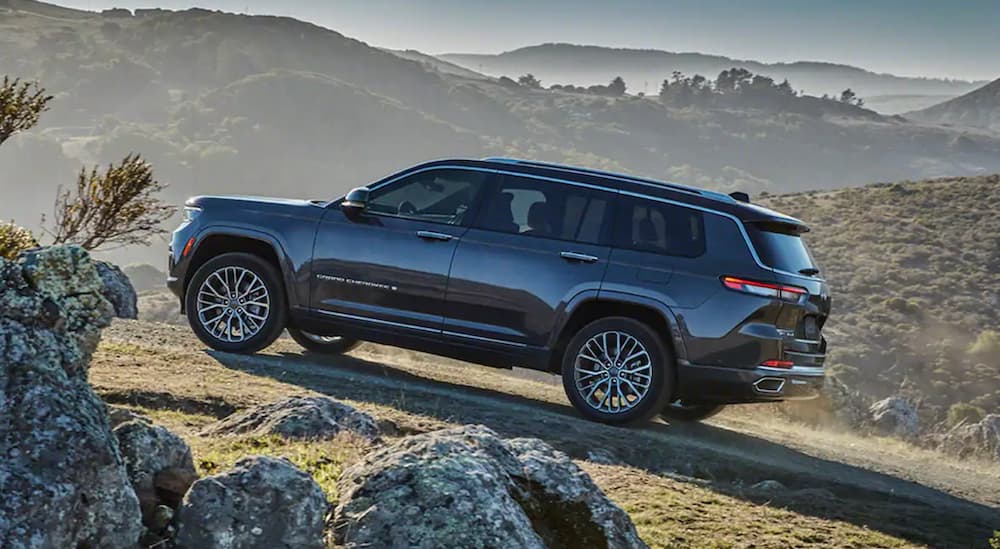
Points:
(780, 247)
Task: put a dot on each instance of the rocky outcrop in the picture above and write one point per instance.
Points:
(298, 417)
(468, 487)
(261, 502)
(895, 416)
(63, 480)
(980, 439)
(159, 466)
(118, 290)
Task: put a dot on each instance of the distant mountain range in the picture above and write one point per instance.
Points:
(979, 109)
(644, 70)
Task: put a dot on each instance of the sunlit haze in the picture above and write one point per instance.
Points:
(906, 37)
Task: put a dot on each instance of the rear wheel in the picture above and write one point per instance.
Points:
(617, 370)
(679, 410)
(236, 303)
(320, 344)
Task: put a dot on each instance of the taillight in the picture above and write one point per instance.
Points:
(791, 294)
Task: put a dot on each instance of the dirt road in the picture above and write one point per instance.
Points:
(883, 485)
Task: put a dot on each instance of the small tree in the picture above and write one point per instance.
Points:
(848, 96)
(114, 209)
(14, 240)
(529, 81)
(617, 87)
(21, 103)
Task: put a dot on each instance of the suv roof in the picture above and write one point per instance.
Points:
(703, 198)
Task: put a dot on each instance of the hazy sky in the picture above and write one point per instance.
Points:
(956, 39)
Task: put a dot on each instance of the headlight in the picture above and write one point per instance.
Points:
(191, 213)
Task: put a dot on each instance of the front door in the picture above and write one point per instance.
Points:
(390, 265)
(535, 245)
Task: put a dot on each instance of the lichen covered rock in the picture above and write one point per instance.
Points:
(61, 474)
(262, 502)
(159, 465)
(981, 439)
(467, 487)
(118, 290)
(298, 417)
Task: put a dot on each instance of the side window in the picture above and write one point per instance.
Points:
(532, 207)
(439, 196)
(651, 226)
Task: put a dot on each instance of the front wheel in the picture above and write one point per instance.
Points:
(324, 345)
(617, 370)
(236, 303)
(685, 411)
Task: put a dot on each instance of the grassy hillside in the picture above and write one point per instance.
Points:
(979, 108)
(914, 270)
(585, 65)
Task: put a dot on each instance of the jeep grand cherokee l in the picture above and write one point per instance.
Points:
(646, 297)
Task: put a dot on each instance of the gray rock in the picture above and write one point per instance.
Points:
(262, 502)
(847, 405)
(980, 439)
(603, 456)
(118, 290)
(298, 417)
(895, 416)
(61, 475)
(159, 465)
(467, 487)
(118, 415)
(769, 486)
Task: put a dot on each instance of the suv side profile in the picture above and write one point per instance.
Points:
(646, 297)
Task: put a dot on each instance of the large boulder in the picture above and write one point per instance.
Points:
(159, 465)
(467, 487)
(315, 417)
(262, 502)
(62, 478)
(895, 416)
(980, 439)
(118, 290)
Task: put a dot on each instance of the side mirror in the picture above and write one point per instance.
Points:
(356, 202)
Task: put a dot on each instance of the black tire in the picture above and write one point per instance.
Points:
(274, 319)
(314, 344)
(661, 373)
(681, 411)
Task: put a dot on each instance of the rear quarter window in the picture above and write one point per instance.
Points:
(649, 226)
(781, 247)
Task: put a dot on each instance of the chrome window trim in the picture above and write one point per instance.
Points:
(733, 218)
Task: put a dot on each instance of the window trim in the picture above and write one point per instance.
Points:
(613, 190)
(622, 205)
(470, 214)
(607, 226)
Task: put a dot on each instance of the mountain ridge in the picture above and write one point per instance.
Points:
(979, 108)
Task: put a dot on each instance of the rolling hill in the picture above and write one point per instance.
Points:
(913, 268)
(645, 69)
(979, 109)
(225, 103)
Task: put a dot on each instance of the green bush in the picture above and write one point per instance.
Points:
(964, 412)
(14, 240)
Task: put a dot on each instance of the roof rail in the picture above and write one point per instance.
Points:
(577, 169)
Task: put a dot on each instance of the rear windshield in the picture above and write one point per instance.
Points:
(780, 246)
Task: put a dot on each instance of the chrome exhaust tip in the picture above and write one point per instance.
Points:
(769, 385)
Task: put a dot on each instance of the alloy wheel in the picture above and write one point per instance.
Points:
(233, 304)
(613, 372)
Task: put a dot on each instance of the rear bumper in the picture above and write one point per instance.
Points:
(739, 385)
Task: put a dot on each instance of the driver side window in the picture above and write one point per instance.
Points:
(438, 196)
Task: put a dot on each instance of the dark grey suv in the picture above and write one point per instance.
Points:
(647, 297)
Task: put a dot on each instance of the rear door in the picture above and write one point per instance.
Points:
(390, 265)
(535, 245)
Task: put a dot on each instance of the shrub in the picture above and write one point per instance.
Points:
(14, 240)
(987, 343)
(964, 412)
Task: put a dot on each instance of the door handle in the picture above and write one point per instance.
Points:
(583, 258)
(431, 235)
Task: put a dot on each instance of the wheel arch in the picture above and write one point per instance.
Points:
(216, 241)
(590, 308)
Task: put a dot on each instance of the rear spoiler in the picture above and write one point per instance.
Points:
(740, 196)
